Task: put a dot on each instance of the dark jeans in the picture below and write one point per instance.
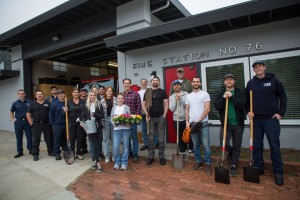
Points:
(144, 132)
(182, 146)
(99, 143)
(271, 128)
(20, 126)
(135, 143)
(59, 134)
(236, 132)
(94, 141)
(157, 125)
(36, 130)
(76, 134)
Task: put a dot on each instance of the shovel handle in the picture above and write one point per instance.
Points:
(67, 119)
(251, 125)
(224, 130)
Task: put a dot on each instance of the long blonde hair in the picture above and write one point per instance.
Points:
(88, 101)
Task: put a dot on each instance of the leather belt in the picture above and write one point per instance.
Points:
(40, 122)
(22, 118)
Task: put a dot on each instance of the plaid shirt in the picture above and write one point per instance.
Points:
(133, 100)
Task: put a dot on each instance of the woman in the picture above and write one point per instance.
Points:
(76, 131)
(94, 110)
(108, 102)
(121, 132)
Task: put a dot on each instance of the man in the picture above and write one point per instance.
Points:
(57, 119)
(235, 116)
(144, 124)
(101, 92)
(177, 106)
(155, 107)
(197, 109)
(53, 97)
(186, 86)
(132, 99)
(38, 118)
(269, 106)
(18, 117)
(83, 97)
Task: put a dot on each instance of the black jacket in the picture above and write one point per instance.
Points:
(239, 101)
(269, 96)
(99, 114)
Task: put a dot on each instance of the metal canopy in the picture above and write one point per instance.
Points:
(221, 20)
(73, 12)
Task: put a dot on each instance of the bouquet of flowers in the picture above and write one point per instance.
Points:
(126, 119)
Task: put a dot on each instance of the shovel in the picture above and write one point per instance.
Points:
(177, 160)
(221, 173)
(250, 173)
(68, 155)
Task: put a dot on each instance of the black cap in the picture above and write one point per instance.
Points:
(60, 91)
(258, 62)
(228, 76)
(83, 89)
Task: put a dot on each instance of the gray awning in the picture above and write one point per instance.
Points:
(6, 74)
(225, 19)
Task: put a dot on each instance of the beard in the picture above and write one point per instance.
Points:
(155, 84)
(196, 86)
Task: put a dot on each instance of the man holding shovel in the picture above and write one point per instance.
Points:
(177, 106)
(269, 106)
(235, 126)
(197, 109)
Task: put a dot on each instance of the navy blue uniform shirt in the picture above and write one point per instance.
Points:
(20, 108)
(57, 114)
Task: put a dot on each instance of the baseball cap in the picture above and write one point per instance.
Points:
(60, 92)
(180, 70)
(258, 62)
(83, 89)
(228, 76)
(176, 82)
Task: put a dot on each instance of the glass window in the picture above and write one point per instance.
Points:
(286, 68)
(95, 71)
(213, 79)
(58, 66)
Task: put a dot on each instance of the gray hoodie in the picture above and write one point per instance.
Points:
(173, 106)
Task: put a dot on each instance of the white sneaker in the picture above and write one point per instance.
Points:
(79, 157)
(94, 165)
(99, 168)
(106, 160)
(123, 167)
(113, 159)
(116, 166)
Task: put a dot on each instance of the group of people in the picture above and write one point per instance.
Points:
(190, 106)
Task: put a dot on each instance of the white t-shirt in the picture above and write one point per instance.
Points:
(142, 93)
(196, 101)
(92, 108)
(118, 111)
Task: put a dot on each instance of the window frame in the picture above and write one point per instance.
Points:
(59, 65)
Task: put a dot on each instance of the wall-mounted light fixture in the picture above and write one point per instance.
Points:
(113, 64)
(55, 38)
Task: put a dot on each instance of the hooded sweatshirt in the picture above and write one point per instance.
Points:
(269, 97)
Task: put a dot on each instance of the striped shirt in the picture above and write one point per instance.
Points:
(132, 99)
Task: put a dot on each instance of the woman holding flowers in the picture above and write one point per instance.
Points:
(108, 102)
(119, 114)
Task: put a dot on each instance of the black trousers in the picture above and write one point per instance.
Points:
(76, 134)
(182, 146)
(94, 139)
(36, 130)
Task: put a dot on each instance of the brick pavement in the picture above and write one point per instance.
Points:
(140, 181)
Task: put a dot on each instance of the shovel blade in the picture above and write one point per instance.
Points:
(177, 161)
(222, 175)
(68, 156)
(251, 174)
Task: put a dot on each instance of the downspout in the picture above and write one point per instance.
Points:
(161, 8)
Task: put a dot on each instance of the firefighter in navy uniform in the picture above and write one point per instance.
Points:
(57, 119)
(38, 118)
(18, 117)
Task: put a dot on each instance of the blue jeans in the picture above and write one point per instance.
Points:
(134, 150)
(204, 136)
(123, 135)
(20, 126)
(108, 131)
(271, 128)
(144, 133)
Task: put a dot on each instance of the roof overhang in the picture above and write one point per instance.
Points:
(225, 19)
(6, 74)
